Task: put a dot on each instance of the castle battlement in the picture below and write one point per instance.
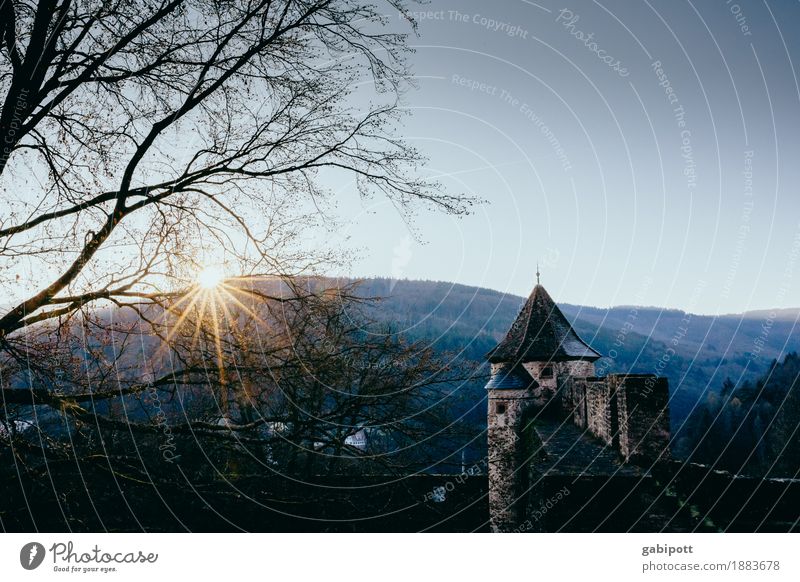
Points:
(629, 412)
(543, 374)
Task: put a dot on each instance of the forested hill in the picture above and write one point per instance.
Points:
(697, 353)
(751, 428)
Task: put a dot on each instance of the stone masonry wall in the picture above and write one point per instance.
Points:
(578, 368)
(643, 403)
(627, 411)
(571, 393)
(506, 414)
(598, 411)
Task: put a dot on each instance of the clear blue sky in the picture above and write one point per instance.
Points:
(643, 152)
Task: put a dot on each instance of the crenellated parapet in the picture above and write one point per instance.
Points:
(629, 412)
(543, 373)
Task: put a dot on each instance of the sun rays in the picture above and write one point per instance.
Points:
(207, 311)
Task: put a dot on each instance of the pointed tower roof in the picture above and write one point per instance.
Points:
(541, 333)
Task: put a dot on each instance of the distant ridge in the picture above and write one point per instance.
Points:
(472, 320)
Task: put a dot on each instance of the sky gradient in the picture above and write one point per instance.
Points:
(641, 152)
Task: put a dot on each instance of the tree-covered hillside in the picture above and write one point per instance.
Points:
(752, 428)
(696, 352)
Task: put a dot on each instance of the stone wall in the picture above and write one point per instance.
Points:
(643, 404)
(627, 411)
(545, 373)
(550, 374)
(577, 368)
(599, 417)
(571, 393)
(507, 464)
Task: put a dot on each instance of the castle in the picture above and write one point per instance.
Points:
(543, 386)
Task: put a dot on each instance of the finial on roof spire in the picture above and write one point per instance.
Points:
(537, 273)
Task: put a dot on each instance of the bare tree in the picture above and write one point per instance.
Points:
(137, 136)
(284, 381)
(141, 141)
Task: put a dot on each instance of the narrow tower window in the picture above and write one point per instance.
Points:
(547, 372)
(500, 408)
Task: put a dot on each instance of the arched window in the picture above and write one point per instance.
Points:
(547, 372)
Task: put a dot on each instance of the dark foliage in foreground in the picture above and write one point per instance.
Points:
(753, 428)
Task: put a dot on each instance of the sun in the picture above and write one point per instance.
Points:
(210, 277)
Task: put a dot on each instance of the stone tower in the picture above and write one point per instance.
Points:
(540, 347)
(512, 392)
